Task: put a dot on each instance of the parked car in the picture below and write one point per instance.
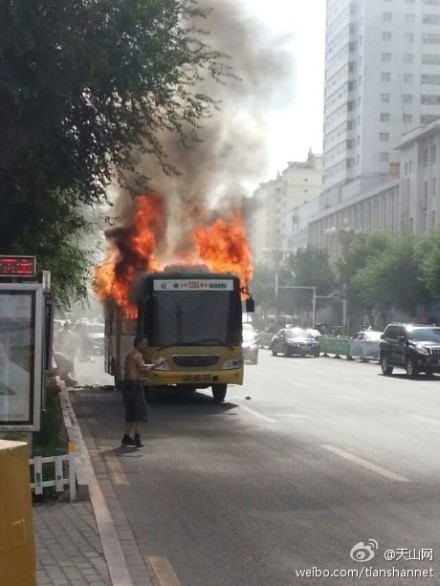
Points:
(290, 341)
(250, 345)
(365, 345)
(413, 347)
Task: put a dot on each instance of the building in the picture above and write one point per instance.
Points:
(271, 223)
(382, 79)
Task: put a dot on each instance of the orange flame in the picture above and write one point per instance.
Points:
(221, 246)
(130, 253)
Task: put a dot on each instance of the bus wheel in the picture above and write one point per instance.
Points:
(219, 392)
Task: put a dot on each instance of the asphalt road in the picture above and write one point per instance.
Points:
(305, 461)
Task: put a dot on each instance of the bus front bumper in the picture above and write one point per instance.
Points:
(196, 379)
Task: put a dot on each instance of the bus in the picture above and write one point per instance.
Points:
(193, 320)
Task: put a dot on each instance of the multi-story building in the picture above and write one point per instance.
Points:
(382, 79)
(271, 222)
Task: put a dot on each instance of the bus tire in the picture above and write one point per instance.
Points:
(219, 392)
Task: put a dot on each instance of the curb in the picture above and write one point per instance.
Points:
(87, 480)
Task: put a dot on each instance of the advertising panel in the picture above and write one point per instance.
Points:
(21, 346)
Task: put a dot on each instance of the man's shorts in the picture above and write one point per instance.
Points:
(134, 401)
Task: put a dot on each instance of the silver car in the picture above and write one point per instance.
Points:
(365, 345)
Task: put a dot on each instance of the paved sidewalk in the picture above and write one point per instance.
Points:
(67, 546)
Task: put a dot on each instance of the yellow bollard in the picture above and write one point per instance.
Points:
(17, 556)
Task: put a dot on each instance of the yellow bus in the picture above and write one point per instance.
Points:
(193, 320)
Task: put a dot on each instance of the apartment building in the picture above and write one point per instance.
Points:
(382, 78)
(271, 223)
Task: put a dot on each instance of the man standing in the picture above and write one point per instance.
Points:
(135, 405)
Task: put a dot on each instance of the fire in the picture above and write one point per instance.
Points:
(220, 245)
(223, 247)
(131, 252)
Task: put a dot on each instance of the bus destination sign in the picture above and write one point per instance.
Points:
(193, 285)
(17, 266)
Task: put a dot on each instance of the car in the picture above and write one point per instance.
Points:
(95, 332)
(412, 347)
(365, 345)
(250, 346)
(291, 341)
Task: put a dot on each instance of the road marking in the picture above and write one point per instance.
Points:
(116, 472)
(163, 571)
(427, 419)
(365, 464)
(291, 415)
(351, 398)
(256, 414)
(297, 384)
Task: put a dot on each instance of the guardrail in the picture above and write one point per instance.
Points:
(63, 467)
(339, 346)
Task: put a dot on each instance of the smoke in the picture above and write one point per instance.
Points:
(215, 174)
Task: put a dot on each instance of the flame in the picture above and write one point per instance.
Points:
(130, 252)
(223, 247)
(219, 245)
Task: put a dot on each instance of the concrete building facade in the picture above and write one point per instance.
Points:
(381, 80)
(271, 223)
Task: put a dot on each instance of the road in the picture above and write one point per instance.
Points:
(309, 458)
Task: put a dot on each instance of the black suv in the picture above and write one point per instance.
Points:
(414, 347)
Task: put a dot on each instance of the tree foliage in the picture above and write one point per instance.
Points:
(83, 83)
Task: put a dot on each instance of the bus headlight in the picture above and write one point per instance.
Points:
(233, 363)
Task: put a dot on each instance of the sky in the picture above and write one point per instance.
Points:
(297, 125)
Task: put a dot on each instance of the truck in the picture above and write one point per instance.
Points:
(193, 320)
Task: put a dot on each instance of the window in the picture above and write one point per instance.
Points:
(387, 16)
(431, 79)
(425, 159)
(434, 187)
(431, 39)
(384, 117)
(408, 58)
(409, 38)
(385, 76)
(386, 36)
(431, 19)
(407, 99)
(428, 118)
(409, 18)
(384, 98)
(433, 154)
(431, 100)
(384, 157)
(407, 118)
(408, 77)
(431, 59)
(384, 137)
(386, 57)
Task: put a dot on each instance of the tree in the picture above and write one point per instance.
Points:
(429, 254)
(262, 287)
(392, 278)
(85, 84)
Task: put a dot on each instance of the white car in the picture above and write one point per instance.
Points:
(365, 345)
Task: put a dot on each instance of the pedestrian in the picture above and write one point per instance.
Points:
(135, 405)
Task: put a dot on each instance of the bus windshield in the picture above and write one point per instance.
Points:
(195, 317)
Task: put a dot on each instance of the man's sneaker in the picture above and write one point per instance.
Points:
(137, 442)
(127, 441)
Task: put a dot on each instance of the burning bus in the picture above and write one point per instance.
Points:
(192, 316)
(193, 320)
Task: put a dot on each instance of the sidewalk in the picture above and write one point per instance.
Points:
(67, 546)
(86, 543)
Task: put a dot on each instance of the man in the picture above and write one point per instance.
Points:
(135, 405)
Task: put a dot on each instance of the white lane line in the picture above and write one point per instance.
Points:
(163, 571)
(298, 415)
(256, 414)
(365, 464)
(351, 398)
(427, 419)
